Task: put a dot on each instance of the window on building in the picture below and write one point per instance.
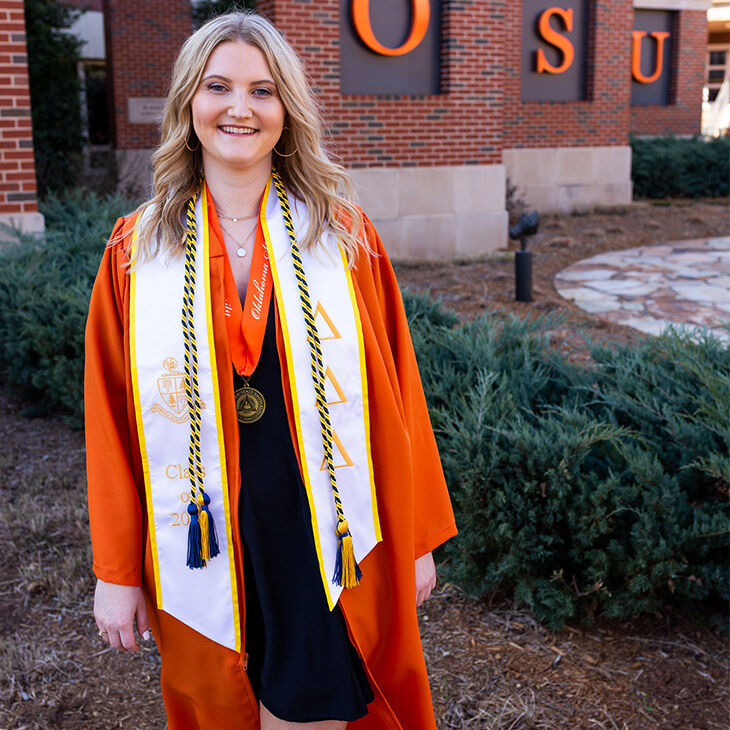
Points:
(717, 69)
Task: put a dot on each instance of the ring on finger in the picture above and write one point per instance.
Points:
(103, 634)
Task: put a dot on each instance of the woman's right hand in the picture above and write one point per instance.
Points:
(116, 608)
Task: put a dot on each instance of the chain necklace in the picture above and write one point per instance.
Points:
(240, 247)
(237, 218)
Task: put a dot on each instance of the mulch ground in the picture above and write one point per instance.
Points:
(491, 665)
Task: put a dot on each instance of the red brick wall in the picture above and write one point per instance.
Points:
(460, 126)
(17, 167)
(142, 40)
(603, 118)
(684, 114)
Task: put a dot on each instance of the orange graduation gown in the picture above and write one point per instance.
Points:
(204, 685)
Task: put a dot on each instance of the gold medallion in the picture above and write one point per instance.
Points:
(250, 404)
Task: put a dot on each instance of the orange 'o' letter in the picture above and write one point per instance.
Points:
(555, 39)
(421, 12)
(637, 36)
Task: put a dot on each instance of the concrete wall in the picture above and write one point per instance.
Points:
(433, 212)
(570, 178)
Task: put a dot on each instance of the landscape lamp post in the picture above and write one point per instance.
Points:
(526, 226)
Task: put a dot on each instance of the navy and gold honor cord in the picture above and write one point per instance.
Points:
(347, 572)
(202, 536)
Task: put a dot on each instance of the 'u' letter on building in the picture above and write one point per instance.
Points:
(637, 38)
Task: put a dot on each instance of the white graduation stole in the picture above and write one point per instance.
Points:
(338, 324)
(206, 599)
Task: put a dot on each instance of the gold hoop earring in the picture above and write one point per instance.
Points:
(296, 149)
(192, 149)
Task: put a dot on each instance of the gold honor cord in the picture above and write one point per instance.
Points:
(347, 572)
(202, 537)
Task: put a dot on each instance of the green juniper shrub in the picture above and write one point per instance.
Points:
(582, 491)
(45, 285)
(421, 307)
(673, 393)
(668, 167)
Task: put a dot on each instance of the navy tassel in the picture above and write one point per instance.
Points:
(194, 558)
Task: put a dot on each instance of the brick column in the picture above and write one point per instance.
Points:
(268, 8)
(18, 203)
(573, 154)
(428, 168)
(142, 41)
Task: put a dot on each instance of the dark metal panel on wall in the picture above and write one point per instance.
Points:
(562, 79)
(364, 71)
(657, 92)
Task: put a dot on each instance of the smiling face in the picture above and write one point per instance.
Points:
(237, 113)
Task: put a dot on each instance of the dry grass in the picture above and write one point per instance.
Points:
(491, 667)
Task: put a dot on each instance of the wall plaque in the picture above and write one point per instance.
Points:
(145, 109)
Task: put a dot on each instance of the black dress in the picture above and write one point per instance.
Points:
(301, 662)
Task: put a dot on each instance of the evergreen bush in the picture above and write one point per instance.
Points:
(45, 285)
(668, 167)
(580, 491)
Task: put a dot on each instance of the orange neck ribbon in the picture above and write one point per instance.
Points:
(246, 325)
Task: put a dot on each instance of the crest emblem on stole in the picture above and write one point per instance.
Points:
(171, 386)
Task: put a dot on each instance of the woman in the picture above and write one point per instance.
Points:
(262, 473)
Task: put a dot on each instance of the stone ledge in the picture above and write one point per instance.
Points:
(569, 198)
(672, 4)
(568, 165)
(26, 222)
(443, 235)
(570, 178)
(395, 192)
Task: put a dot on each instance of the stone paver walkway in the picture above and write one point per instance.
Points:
(652, 287)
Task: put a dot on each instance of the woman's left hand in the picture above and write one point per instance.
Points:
(425, 577)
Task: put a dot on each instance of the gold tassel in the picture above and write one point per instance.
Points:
(204, 532)
(347, 571)
(349, 577)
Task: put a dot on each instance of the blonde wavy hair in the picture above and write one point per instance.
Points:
(304, 165)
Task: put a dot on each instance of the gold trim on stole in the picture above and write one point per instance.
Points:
(138, 417)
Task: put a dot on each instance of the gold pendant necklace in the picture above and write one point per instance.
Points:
(250, 403)
(240, 247)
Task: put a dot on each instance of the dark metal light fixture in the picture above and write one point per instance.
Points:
(526, 226)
